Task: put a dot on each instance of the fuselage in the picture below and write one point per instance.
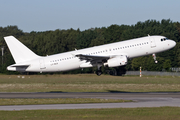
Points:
(69, 61)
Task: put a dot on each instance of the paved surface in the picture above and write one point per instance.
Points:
(140, 100)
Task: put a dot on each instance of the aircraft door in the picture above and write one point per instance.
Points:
(42, 65)
(152, 42)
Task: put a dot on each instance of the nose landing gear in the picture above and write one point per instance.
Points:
(154, 57)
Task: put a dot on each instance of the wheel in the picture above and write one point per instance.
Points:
(98, 72)
(111, 72)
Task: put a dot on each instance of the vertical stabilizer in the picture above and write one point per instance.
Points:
(18, 50)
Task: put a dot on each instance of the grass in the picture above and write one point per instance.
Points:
(58, 101)
(88, 83)
(161, 113)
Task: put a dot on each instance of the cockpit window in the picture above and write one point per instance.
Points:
(164, 39)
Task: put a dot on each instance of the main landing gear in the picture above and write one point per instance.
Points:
(99, 72)
(154, 57)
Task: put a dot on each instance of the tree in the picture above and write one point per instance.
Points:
(167, 65)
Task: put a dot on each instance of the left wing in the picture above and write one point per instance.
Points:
(92, 60)
(98, 60)
(92, 57)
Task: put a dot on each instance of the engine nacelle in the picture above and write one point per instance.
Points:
(116, 61)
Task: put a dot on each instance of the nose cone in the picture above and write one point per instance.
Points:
(172, 43)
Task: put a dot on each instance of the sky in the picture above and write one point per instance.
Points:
(44, 15)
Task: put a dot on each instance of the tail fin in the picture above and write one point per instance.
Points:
(18, 50)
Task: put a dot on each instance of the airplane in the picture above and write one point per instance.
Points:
(109, 55)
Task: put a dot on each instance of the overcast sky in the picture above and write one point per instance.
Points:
(43, 15)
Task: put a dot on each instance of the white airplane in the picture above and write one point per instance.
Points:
(111, 55)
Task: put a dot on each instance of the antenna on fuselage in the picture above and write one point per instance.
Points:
(148, 35)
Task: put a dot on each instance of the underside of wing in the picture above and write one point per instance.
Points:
(92, 57)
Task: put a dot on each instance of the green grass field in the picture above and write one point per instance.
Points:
(161, 113)
(88, 83)
(58, 101)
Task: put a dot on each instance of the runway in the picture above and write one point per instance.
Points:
(140, 100)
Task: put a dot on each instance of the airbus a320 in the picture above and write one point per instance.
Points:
(110, 55)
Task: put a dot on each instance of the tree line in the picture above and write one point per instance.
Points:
(58, 41)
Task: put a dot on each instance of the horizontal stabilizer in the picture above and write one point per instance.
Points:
(20, 65)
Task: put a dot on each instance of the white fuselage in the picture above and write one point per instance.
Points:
(68, 60)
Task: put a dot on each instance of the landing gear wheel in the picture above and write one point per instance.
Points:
(98, 72)
(111, 72)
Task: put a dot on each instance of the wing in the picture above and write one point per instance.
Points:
(92, 58)
(99, 60)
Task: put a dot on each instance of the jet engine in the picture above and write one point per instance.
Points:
(116, 61)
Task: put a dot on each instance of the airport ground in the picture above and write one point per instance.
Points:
(88, 83)
(91, 84)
